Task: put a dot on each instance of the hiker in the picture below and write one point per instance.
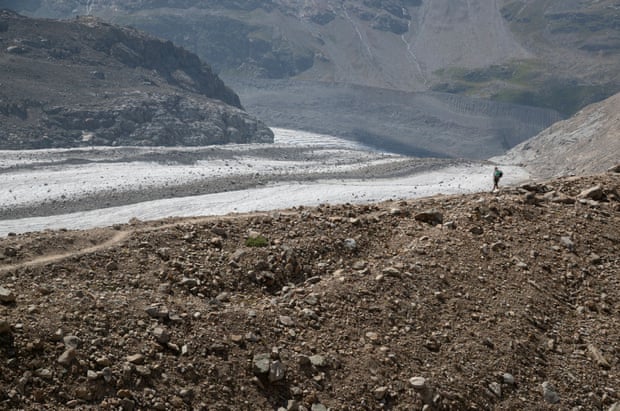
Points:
(497, 174)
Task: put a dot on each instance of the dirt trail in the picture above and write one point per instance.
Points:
(118, 238)
(52, 258)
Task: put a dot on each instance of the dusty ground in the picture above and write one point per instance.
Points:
(510, 303)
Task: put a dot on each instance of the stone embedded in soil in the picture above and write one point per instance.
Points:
(261, 363)
(7, 296)
(67, 357)
(508, 379)
(549, 393)
(593, 193)
(135, 358)
(277, 371)
(5, 327)
(598, 357)
(71, 341)
(161, 335)
(432, 217)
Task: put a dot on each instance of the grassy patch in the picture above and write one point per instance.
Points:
(258, 241)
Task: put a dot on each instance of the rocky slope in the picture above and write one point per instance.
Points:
(507, 300)
(84, 82)
(554, 53)
(588, 142)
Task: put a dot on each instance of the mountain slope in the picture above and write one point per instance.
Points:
(86, 82)
(553, 53)
(588, 142)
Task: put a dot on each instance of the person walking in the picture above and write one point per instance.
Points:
(497, 174)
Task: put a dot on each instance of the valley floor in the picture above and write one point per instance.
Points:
(84, 188)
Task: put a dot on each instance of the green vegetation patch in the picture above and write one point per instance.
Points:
(256, 241)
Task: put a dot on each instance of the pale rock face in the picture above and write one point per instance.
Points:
(588, 142)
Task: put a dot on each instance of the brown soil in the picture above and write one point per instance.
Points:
(514, 291)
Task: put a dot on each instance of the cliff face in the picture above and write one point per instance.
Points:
(87, 82)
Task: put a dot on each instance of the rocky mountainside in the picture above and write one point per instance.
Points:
(588, 142)
(554, 53)
(341, 66)
(506, 300)
(85, 82)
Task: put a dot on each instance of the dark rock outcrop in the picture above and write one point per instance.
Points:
(84, 82)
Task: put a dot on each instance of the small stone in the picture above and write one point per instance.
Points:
(5, 327)
(111, 266)
(318, 361)
(598, 357)
(107, 374)
(549, 393)
(318, 407)
(189, 282)
(615, 406)
(261, 363)
(223, 297)
(67, 357)
(123, 393)
(595, 259)
(71, 341)
(498, 246)
(508, 379)
(277, 371)
(476, 230)
(372, 336)
(431, 217)
(157, 312)
(391, 271)
(83, 393)
(6, 296)
(161, 335)
(10, 252)
(286, 321)
(58, 334)
(143, 370)
(418, 383)
(496, 389)
(450, 225)
(567, 243)
(45, 373)
(135, 358)
(350, 244)
(292, 405)
(593, 193)
(379, 393)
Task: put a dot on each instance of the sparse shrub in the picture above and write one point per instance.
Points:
(258, 241)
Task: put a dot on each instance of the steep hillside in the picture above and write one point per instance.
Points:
(553, 53)
(84, 82)
(503, 301)
(588, 142)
